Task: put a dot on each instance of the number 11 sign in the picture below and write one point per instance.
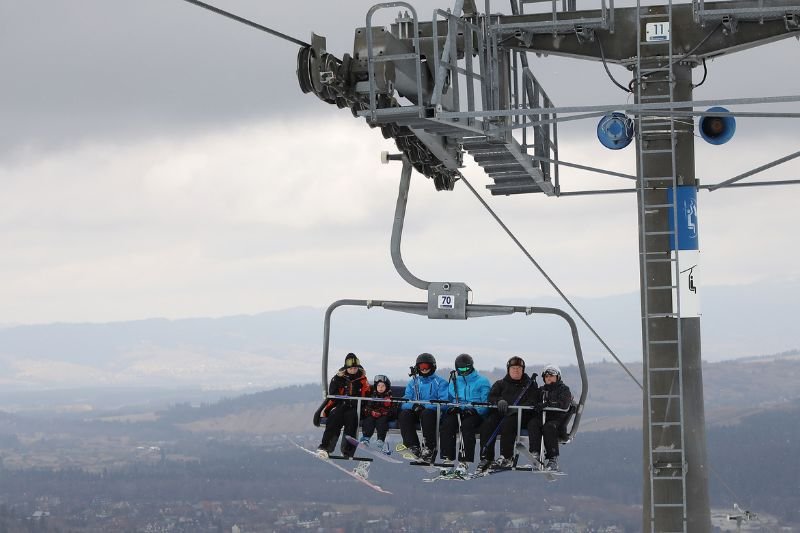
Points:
(657, 31)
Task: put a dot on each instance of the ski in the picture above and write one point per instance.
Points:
(372, 451)
(450, 475)
(352, 474)
(492, 471)
(449, 472)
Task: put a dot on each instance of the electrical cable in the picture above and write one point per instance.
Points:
(727, 487)
(687, 54)
(705, 73)
(605, 65)
(698, 45)
(549, 280)
(250, 23)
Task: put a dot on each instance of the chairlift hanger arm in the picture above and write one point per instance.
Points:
(397, 228)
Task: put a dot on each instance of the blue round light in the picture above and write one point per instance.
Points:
(717, 130)
(615, 131)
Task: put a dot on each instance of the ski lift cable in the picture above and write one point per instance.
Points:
(549, 279)
(727, 487)
(250, 23)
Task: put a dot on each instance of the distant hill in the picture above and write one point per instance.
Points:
(753, 463)
(284, 347)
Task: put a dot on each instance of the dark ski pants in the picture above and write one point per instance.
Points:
(370, 424)
(340, 416)
(549, 431)
(507, 434)
(408, 427)
(470, 424)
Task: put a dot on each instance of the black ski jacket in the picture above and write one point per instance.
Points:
(343, 384)
(555, 395)
(507, 389)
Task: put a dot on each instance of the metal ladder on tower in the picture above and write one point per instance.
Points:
(657, 189)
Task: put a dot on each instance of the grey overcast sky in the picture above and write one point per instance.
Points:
(160, 160)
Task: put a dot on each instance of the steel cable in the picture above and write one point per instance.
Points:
(250, 23)
(549, 280)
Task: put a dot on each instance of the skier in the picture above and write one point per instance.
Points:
(377, 414)
(423, 385)
(466, 387)
(554, 393)
(350, 380)
(516, 388)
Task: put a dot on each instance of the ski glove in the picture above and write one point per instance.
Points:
(502, 407)
(418, 408)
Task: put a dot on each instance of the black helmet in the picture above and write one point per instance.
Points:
(351, 360)
(381, 378)
(516, 361)
(425, 357)
(464, 364)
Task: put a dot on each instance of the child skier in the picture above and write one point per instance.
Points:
(377, 414)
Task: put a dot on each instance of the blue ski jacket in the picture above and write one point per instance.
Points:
(431, 387)
(471, 388)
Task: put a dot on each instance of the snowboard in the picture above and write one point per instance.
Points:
(350, 473)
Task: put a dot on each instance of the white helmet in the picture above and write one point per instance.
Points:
(551, 369)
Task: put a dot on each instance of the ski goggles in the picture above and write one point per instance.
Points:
(464, 369)
(380, 378)
(424, 366)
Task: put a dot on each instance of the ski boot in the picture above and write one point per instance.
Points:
(428, 455)
(537, 461)
(410, 453)
(322, 453)
(381, 446)
(502, 463)
(484, 465)
(552, 465)
(447, 467)
(460, 469)
(364, 441)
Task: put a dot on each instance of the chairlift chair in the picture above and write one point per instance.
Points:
(446, 301)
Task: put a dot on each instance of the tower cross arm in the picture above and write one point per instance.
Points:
(729, 27)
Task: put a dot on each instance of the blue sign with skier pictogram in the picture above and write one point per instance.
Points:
(686, 216)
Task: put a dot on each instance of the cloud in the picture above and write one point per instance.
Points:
(265, 216)
(158, 160)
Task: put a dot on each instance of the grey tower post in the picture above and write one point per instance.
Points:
(675, 462)
(675, 488)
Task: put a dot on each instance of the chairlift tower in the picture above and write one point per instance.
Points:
(462, 83)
